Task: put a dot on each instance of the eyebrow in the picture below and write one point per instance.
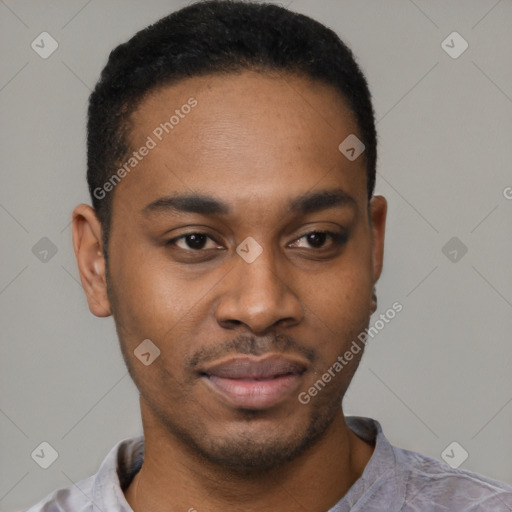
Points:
(191, 203)
(322, 200)
(309, 202)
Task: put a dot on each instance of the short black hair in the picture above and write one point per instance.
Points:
(212, 37)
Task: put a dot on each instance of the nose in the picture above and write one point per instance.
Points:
(259, 295)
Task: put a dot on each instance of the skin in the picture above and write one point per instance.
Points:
(255, 141)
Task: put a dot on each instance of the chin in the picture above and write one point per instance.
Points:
(254, 446)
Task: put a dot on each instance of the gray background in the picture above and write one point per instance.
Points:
(439, 372)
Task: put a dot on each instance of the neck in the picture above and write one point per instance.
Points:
(174, 479)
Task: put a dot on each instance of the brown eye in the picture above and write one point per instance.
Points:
(192, 241)
(317, 239)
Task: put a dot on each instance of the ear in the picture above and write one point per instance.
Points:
(87, 243)
(378, 210)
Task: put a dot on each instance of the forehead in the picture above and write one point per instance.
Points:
(240, 136)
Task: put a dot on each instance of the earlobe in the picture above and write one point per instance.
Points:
(378, 211)
(373, 305)
(87, 244)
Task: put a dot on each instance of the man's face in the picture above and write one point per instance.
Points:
(240, 338)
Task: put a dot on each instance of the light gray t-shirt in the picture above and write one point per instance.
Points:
(393, 480)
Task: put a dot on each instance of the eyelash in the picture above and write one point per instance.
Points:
(338, 239)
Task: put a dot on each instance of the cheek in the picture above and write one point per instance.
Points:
(342, 298)
(340, 310)
(154, 301)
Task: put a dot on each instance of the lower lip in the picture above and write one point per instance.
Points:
(255, 394)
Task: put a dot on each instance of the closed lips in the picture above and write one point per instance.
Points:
(246, 368)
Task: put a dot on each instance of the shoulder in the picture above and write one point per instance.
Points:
(104, 490)
(429, 482)
(67, 499)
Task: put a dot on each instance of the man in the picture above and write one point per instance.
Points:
(236, 241)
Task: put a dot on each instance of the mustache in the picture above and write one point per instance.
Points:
(251, 345)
